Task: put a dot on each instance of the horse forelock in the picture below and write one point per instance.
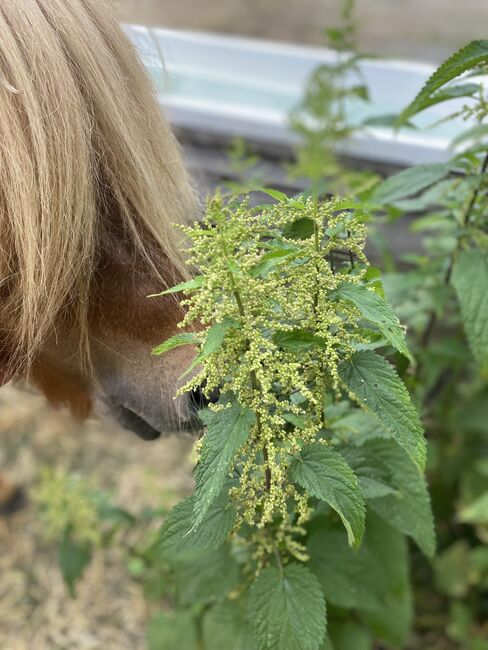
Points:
(89, 170)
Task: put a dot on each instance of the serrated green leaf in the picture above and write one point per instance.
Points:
(225, 627)
(372, 579)
(324, 474)
(474, 54)
(446, 94)
(185, 338)
(215, 336)
(73, 558)
(373, 308)
(170, 630)
(271, 260)
(373, 475)
(281, 197)
(377, 387)
(227, 431)
(348, 635)
(470, 280)
(286, 609)
(189, 285)
(206, 577)
(409, 508)
(407, 183)
(299, 229)
(297, 340)
(179, 537)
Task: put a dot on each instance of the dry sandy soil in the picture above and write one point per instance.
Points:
(110, 612)
(418, 29)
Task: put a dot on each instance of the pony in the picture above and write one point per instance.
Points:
(91, 180)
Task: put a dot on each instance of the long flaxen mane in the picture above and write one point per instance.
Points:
(81, 140)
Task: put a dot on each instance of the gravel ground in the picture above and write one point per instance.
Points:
(417, 29)
(110, 612)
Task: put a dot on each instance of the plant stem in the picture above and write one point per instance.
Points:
(254, 379)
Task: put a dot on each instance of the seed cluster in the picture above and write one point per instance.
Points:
(271, 275)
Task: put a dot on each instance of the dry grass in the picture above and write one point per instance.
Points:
(110, 612)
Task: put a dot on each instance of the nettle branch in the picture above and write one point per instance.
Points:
(290, 338)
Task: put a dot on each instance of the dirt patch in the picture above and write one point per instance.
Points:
(110, 610)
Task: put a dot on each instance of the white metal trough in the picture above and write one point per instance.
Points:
(228, 87)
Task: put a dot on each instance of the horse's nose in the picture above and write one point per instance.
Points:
(198, 399)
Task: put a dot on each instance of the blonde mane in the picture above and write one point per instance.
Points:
(81, 137)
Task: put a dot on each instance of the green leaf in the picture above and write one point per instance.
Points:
(287, 609)
(206, 577)
(189, 285)
(474, 54)
(388, 121)
(373, 475)
(373, 308)
(73, 558)
(170, 630)
(470, 280)
(348, 635)
(376, 386)
(372, 579)
(185, 338)
(446, 94)
(227, 431)
(324, 474)
(281, 197)
(271, 260)
(297, 340)
(407, 183)
(178, 536)
(408, 509)
(225, 627)
(215, 336)
(299, 229)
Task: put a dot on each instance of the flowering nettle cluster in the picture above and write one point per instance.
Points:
(280, 303)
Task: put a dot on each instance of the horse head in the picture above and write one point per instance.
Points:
(91, 179)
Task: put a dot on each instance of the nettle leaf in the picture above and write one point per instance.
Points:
(206, 577)
(215, 336)
(348, 635)
(271, 260)
(408, 509)
(407, 183)
(470, 280)
(377, 387)
(372, 579)
(227, 431)
(299, 229)
(170, 630)
(373, 308)
(446, 94)
(325, 474)
(373, 475)
(180, 538)
(189, 285)
(286, 609)
(225, 627)
(474, 54)
(73, 558)
(297, 340)
(185, 338)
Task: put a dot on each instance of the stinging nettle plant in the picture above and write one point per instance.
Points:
(310, 467)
